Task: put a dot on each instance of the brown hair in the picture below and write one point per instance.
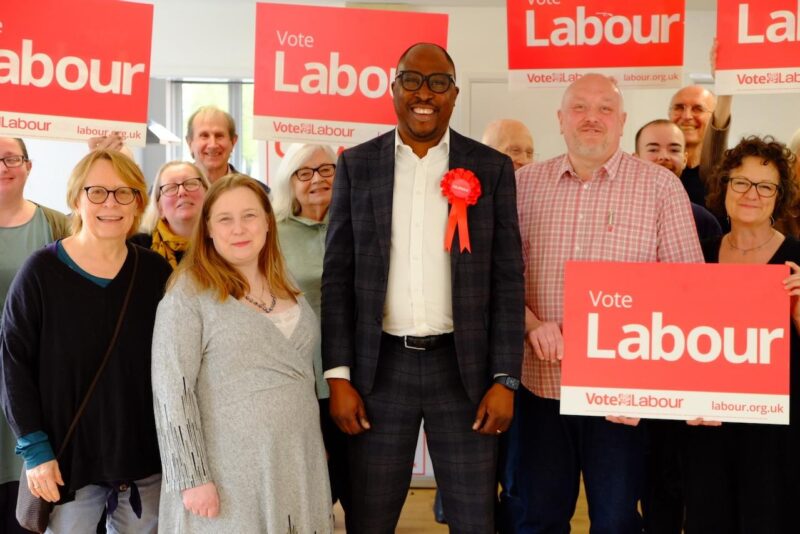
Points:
(126, 169)
(768, 150)
(211, 271)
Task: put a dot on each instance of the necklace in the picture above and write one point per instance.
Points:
(746, 250)
(262, 305)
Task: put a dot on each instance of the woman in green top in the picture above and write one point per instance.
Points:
(24, 227)
(301, 193)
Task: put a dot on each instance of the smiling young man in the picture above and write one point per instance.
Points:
(594, 203)
(410, 330)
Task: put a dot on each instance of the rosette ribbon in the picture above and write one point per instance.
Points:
(461, 188)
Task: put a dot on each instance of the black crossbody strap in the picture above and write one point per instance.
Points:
(103, 363)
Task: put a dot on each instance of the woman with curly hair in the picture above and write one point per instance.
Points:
(741, 477)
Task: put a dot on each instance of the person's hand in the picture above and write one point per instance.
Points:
(622, 420)
(347, 408)
(699, 421)
(792, 285)
(44, 479)
(495, 411)
(712, 57)
(546, 341)
(112, 141)
(202, 500)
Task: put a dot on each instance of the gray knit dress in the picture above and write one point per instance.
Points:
(235, 405)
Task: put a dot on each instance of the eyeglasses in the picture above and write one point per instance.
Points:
(438, 82)
(13, 161)
(98, 194)
(326, 170)
(680, 109)
(764, 189)
(190, 185)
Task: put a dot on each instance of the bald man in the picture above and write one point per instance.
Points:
(512, 138)
(693, 109)
(594, 203)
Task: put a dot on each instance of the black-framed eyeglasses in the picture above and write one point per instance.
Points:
(438, 82)
(696, 109)
(764, 189)
(304, 174)
(97, 194)
(13, 161)
(190, 185)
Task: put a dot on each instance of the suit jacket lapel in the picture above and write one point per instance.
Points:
(460, 157)
(382, 189)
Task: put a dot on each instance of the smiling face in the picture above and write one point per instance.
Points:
(211, 143)
(12, 180)
(663, 145)
(185, 205)
(749, 208)
(109, 219)
(691, 109)
(315, 194)
(237, 225)
(591, 119)
(422, 115)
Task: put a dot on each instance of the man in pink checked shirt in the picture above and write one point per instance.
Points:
(594, 203)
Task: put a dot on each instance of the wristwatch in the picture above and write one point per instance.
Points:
(508, 381)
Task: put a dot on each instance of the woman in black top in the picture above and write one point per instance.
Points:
(740, 477)
(57, 323)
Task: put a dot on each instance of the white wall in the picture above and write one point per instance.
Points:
(215, 39)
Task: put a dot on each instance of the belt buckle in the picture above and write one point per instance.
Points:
(406, 345)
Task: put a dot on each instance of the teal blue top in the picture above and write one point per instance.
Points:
(303, 246)
(16, 244)
(63, 256)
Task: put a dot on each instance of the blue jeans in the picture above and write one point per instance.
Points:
(81, 515)
(554, 450)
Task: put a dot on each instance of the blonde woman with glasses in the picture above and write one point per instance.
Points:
(176, 198)
(81, 311)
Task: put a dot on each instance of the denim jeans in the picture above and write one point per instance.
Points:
(554, 450)
(81, 515)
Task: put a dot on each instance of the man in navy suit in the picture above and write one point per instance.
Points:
(410, 330)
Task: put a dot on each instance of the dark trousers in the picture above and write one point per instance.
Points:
(510, 499)
(336, 448)
(410, 386)
(662, 501)
(555, 450)
(740, 479)
(8, 509)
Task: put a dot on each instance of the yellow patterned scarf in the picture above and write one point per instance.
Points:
(167, 243)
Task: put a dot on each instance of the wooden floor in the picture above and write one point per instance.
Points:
(417, 515)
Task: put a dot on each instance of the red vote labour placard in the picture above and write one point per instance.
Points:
(74, 70)
(759, 46)
(323, 74)
(552, 43)
(676, 341)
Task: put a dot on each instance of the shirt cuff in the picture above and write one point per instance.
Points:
(337, 372)
(35, 449)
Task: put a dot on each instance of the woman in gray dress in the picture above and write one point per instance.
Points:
(233, 380)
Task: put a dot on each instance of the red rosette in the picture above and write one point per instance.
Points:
(461, 188)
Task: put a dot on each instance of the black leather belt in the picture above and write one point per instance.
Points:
(421, 343)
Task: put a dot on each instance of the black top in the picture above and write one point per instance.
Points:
(690, 178)
(788, 251)
(56, 328)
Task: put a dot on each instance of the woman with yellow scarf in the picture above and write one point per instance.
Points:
(175, 202)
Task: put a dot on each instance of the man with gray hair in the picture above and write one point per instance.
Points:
(512, 138)
(211, 136)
